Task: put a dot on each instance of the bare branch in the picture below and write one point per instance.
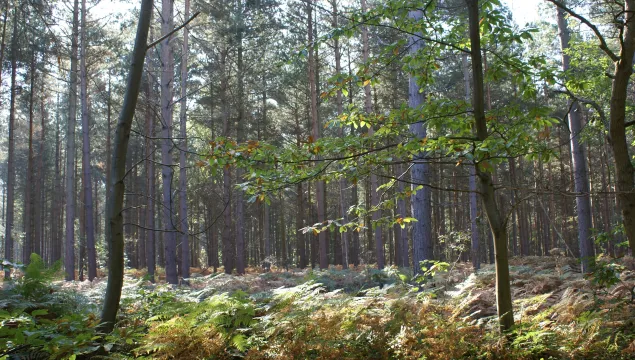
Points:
(173, 31)
(603, 44)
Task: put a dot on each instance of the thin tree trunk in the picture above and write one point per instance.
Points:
(578, 159)
(475, 235)
(401, 234)
(69, 259)
(496, 221)
(150, 174)
(299, 222)
(89, 221)
(228, 243)
(267, 236)
(340, 109)
(420, 202)
(114, 205)
(167, 80)
(319, 185)
(29, 198)
(40, 176)
(374, 195)
(108, 147)
(283, 233)
(56, 216)
(184, 224)
(240, 121)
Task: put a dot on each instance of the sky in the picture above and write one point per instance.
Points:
(524, 11)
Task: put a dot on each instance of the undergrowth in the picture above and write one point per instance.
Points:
(331, 314)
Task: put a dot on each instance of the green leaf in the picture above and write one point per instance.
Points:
(39, 312)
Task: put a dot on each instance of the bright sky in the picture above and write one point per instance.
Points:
(524, 11)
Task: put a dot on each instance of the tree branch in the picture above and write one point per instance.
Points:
(173, 31)
(603, 44)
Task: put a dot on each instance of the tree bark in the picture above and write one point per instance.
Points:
(150, 175)
(184, 222)
(167, 81)
(420, 202)
(10, 187)
(69, 259)
(319, 185)
(40, 206)
(623, 166)
(267, 236)
(29, 196)
(240, 134)
(299, 217)
(56, 216)
(488, 195)
(89, 221)
(114, 205)
(228, 243)
(339, 101)
(374, 195)
(475, 235)
(578, 159)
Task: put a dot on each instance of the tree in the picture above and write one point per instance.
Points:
(473, 190)
(150, 174)
(184, 228)
(421, 210)
(69, 256)
(87, 180)
(167, 83)
(114, 205)
(374, 194)
(488, 194)
(578, 157)
(315, 128)
(240, 134)
(623, 69)
(8, 236)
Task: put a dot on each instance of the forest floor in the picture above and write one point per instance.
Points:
(360, 313)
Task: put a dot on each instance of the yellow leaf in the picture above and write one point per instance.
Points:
(366, 82)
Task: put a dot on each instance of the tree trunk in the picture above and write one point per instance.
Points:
(184, 222)
(496, 221)
(339, 101)
(167, 81)
(266, 234)
(420, 202)
(578, 159)
(240, 135)
(56, 216)
(623, 166)
(89, 221)
(29, 197)
(228, 244)
(69, 259)
(374, 195)
(108, 147)
(401, 234)
(299, 217)
(39, 247)
(319, 185)
(475, 235)
(114, 204)
(283, 233)
(150, 175)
